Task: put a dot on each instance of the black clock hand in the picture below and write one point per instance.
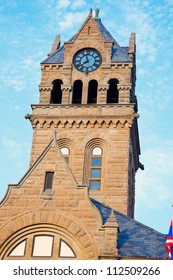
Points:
(87, 60)
(82, 63)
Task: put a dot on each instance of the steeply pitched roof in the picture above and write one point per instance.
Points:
(134, 238)
(57, 57)
(119, 54)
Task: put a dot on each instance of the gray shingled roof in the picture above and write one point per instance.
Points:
(119, 54)
(57, 57)
(134, 238)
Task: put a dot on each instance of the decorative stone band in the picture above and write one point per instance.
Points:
(103, 88)
(124, 87)
(67, 88)
(41, 122)
(45, 88)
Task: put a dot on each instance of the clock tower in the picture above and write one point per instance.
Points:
(87, 96)
(76, 201)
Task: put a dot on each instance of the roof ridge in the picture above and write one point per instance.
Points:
(82, 26)
(105, 29)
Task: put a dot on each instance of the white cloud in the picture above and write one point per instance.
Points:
(64, 4)
(16, 83)
(69, 18)
(153, 184)
(22, 75)
(61, 4)
(78, 4)
(12, 149)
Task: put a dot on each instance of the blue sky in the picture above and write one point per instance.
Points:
(27, 32)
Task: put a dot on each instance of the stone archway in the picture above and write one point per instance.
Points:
(66, 235)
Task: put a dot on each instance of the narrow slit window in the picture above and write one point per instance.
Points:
(48, 181)
(95, 169)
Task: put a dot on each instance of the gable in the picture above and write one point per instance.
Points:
(31, 185)
(92, 30)
(89, 30)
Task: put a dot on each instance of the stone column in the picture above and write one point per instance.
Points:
(45, 93)
(124, 93)
(85, 92)
(102, 94)
(66, 92)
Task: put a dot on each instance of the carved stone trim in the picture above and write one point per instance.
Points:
(123, 87)
(39, 123)
(66, 88)
(103, 87)
(45, 88)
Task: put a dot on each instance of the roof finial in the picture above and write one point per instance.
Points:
(97, 14)
(91, 12)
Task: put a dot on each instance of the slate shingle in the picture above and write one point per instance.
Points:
(57, 57)
(134, 238)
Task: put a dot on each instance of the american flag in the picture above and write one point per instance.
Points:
(169, 242)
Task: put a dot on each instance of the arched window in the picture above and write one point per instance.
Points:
(77, 92)
(112, 94)
(56, 94)
(95, 169)
(46, 246)
(92, 92)
(66, 153)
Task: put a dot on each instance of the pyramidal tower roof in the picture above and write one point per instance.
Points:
(119, 54)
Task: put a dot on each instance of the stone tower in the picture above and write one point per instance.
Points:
(77, 198)
(87, 95)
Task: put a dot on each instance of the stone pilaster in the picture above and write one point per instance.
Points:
(110, 236)
(124, 93)
(102, 94)
(45, 93)
(66, 91)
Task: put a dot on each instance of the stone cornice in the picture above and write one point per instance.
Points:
(85, 116)
(113, 65)
(39, 122)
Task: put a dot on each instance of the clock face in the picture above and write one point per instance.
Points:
(87, 60)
